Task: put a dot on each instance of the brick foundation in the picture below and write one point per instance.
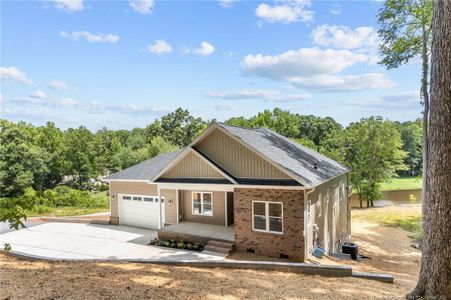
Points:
(114, 220)
(290, 243)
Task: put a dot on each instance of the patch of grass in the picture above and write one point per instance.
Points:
(396, 184)
(102, 205)
(407, 218)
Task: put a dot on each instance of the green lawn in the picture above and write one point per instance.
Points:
(404, 217)
(46, 211)
(396, 184)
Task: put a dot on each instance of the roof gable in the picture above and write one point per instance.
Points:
(192, 165)
(306, 165)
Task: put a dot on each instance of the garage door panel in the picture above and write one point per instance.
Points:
(139, 213)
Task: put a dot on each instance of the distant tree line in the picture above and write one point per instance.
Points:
(39, 156)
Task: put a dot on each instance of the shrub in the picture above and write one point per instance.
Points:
(177, 244)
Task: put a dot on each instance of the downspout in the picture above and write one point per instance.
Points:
(306, 194)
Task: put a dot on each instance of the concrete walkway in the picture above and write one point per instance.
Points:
(90, 241)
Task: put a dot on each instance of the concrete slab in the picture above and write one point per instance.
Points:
(75, 241)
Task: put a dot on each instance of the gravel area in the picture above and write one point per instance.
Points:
(389, 248)
(24, 279)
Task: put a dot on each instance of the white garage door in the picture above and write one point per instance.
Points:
(140, 211)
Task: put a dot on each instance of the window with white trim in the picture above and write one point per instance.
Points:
(126, 198)
(137, 198)
(202, 203)
(267, 216)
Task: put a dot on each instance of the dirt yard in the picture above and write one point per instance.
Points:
(389, 248)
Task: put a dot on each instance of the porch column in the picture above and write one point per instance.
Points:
(225, 208)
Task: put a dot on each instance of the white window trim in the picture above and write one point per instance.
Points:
(320, 202)
(309, 213)
(155, 198)
(267, 216)
(201, 203)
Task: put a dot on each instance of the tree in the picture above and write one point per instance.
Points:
(411, 135)
(50, 139)
(180, 128)
(435, 274)
(81, 155)
(372, 149)
(21, 163)
(405, 30)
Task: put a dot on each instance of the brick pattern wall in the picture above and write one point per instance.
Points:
(290, 243)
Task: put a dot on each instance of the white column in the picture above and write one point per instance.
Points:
(160, 225)
(225, 206)
(177, 204)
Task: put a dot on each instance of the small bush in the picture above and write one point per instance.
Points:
(182, 244)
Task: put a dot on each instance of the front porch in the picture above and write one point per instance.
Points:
(198, 232)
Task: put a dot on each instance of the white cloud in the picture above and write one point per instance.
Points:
(143, 7)
(335, 9)
(59, 85)
(343, 37)
(285, 11)
(63, 102)
(413, 96)
(302, 62)
(316, 69)
(89, 106)
(69, 5)
(13, 74)
(226, 3)
(405, 101)
(267, 95)
(99, 107)
(344, 83)
(224, 106)
(159, 47)
(205, 49)
(90, 37)
(38, 95)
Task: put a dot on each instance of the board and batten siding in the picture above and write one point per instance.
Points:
(218, 217)
(129, 187)
(326, 200)
(236, 158)
(170, 198)
(192, 166)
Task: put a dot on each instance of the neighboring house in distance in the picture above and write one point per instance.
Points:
(274, 196)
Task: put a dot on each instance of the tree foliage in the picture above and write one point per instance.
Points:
(372, 149)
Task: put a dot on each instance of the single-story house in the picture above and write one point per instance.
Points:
(274, 196)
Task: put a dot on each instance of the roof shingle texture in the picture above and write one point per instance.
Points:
(310, 166)
(145, 170)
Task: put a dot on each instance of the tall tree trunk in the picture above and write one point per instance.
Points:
(425, 96)
(435, 275)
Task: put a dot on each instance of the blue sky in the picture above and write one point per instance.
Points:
(121, 64)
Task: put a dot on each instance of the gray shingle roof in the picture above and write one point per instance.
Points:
(288, 154)
(145, 170)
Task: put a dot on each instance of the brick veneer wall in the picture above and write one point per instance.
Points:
(290, 243)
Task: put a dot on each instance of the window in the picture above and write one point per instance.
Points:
(309, 213)
(148, 199)
(162, 199)
(267, 216)
(202, 203)
(126, 198)
(136, 198)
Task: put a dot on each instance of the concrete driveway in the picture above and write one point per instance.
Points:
(75, 241)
